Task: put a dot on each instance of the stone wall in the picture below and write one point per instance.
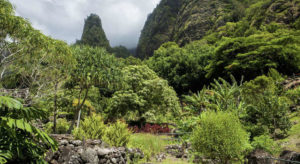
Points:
(89, 152)
(72, 151)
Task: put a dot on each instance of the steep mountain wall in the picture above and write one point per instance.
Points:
(184, 21)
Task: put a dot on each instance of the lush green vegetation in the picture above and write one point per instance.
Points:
(221, 136)
(93, 127)
(184, 68)
(227, 82)
(21, 142)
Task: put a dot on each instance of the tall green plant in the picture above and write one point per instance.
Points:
(91, 128)
(95, 67)
(20, 141)
(117, 134)
(222, 95)
(144, 92)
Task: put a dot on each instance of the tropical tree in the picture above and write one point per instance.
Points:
(121, 52)
(267, 111)
(26, 53)
(144, 92)
(256, 54)
(61, 63)
(95, 68)
(182, 67)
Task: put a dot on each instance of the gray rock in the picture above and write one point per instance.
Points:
(64, 142)
(102, 160)
(90, 156)
(75, 159)
(259, 157)
(96, 142)
(160, 157)
(65, 155)
(114, 160)
(89, 152)
(53, 162)
(103, 151)
(122, 161)
(76, 142)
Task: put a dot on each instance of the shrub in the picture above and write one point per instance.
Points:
(266, 143)
(91, 128)
(220, 136)
(294, 96)
(266, 108)
(62, 126)
(117, 134)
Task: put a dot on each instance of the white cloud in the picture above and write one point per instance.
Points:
(122, 20)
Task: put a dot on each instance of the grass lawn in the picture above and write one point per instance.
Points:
(150, 145)
(293, 141)
(172, 160)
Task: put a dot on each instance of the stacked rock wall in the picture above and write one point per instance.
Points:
(89, 152)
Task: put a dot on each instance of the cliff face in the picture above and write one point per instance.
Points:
(184, 21)
(197, 17)
(285, 12)
(158, 27)
(181, 21)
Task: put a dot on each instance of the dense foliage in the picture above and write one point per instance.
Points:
(21, 142)
(182, 67)
(93, 127)
(264, 142)
(256, 54)
(121, 52)
(268, 110)
(144, 92)
(220, 136)
(117, 134)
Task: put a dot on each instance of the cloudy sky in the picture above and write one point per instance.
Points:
(122, 20)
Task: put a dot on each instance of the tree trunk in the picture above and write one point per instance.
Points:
(274, 124)
(55, 107)
(78, 111)
(80, 107)
(73, 122)
(78, 120)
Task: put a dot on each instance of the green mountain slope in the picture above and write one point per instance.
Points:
(158, 27)
(191, 20)
(93, 33)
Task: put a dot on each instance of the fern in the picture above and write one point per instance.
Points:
(21, 141)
